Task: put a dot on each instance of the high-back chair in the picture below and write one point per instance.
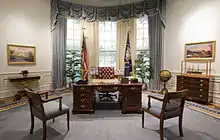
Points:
(45, 109)
(106, 73)
(172, 106)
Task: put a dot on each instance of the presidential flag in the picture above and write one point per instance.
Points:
(127, 58)
(84, 65)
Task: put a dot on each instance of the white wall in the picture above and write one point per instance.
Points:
(24, 22)
(190, 21)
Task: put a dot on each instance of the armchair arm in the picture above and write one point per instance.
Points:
(44, 93)
(55, 98)
(156, 98)
(52, 99)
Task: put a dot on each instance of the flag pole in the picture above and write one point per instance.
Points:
(84, 62)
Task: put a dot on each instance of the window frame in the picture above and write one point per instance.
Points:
(110, 50)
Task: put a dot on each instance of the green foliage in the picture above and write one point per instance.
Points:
(143, 68)
(73, 65)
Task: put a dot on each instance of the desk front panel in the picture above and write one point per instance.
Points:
(82, 99)
(131, 98)
(130, 101)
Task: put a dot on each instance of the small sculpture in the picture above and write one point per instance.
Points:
(24, 73)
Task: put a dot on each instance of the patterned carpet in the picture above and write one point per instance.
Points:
(192, 105)
(107, 125)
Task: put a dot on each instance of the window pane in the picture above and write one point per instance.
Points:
(69, 34)
(107, 44)
(73, 39)
(145, 33)
(142, 38)
(140, 33)
(146, 44)
(69, 24)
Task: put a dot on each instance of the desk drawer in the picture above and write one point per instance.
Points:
(132, 89)
(78, 89)
(110, 88)
(82, 97)
(201, 96)
(181, 87)
(82, 106)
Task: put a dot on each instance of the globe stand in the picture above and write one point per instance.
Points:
(164, 90)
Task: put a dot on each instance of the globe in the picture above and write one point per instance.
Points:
(165, 76)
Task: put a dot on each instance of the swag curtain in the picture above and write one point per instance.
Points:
(63, 9)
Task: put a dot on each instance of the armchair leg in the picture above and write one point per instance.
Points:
(161, 129)
(68, 121)
(53, 119)
(180, 125)
(44, 130)
(32, 124)
(142, 118)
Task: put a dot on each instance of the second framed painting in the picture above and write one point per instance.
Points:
(201, 51)
(20, 54)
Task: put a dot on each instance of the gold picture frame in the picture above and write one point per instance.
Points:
(201, 51)
(21, 54)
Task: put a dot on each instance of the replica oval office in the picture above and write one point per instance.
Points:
(109, 70)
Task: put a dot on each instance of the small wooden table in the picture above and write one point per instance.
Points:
(130, 101)
(24, 81)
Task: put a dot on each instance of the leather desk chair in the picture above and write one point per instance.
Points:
(45, 109)
(106, 73)
(172, 106)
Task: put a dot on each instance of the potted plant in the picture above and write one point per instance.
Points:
(133, 75)
(143, 68)
(73, 66)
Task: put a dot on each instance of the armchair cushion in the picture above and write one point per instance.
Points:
(106, 72)
(172, 106)
(172, 109)
(52, 108)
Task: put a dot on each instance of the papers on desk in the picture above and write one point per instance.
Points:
(104, 81)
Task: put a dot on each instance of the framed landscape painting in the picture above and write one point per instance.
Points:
(200, 51)
(19, 54)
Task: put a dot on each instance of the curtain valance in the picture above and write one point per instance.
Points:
(113, 13)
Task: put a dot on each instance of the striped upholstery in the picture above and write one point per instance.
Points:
(106, 72)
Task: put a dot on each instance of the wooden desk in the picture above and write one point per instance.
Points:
(130, 96)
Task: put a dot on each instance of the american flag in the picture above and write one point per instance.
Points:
(84, 65)
(127, 58)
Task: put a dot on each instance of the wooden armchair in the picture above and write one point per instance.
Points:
(172, 106)
(45, 109)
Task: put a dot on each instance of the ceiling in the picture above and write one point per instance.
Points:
(103, 3)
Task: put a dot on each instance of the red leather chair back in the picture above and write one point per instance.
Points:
(106, 72)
